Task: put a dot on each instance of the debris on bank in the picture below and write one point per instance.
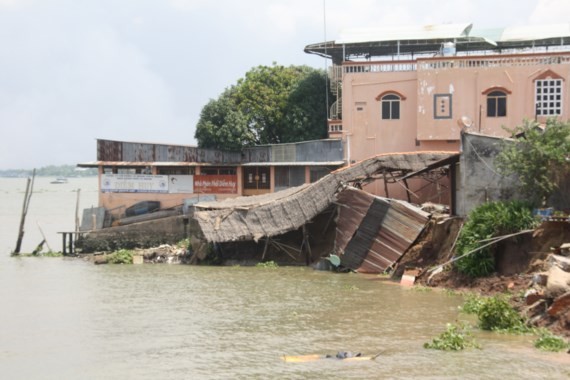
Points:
(163, 254)
(535, 270)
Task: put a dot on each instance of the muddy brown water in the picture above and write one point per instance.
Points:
(69, 319)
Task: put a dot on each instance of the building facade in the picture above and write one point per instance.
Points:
(178, 175)
(416, 89)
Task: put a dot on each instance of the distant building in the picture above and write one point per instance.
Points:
(403, 89)
(178, 175)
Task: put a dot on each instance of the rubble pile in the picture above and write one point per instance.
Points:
(548, 295)
(164, 254)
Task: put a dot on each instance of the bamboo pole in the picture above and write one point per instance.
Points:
(27, 197)
(77, 214)
(44, 236)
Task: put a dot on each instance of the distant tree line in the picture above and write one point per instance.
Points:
(51, 171)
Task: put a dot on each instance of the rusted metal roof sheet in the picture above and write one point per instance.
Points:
(96, 164)
(132, 152)
(372, 239)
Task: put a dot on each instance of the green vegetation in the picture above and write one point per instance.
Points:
(495, 314)
(267, 264)
(472, 304)
(184, 243)
(485, 222)
(52, 254)
(538, 157)
(122, 256)
(456, 337)
(550, 342)
(271, 105)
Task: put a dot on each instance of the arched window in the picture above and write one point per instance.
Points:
(496, 104)
(390, 107)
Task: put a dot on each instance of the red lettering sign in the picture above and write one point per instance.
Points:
(215, 184)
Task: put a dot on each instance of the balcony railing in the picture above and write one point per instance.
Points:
(458, 62)
(493, 61)
(378, 67)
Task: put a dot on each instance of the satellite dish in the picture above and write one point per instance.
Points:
(465, 122)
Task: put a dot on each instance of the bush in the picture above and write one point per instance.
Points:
(549, 342)
(123, 256)
(456, 337)
(496, 314)
(485, 222)
(472, 304)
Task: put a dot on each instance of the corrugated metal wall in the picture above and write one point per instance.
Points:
(140, 152)
(283, 153)
(315, 151)
(257, 154)
(373, 233)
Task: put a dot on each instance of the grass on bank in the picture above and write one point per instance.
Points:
(496, 314)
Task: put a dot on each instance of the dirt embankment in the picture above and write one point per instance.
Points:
(533, 269)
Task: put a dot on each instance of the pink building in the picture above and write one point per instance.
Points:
(415, 89)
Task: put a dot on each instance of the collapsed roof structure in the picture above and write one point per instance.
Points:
(268, 215)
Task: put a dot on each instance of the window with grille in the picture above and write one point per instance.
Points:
(289, 176)
(548, 97)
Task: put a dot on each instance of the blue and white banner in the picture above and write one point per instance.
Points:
(134, 183)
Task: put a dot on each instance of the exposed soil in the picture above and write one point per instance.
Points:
(517, 263)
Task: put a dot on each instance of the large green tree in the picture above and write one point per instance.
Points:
(540, 157)
(270, 105)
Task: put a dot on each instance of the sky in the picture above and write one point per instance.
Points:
(74, 71)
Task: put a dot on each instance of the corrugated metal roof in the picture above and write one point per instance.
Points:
(371, 239)
(404, 33)
(311, 163)
(366, 43)
(95, 164)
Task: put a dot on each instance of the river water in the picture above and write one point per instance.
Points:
(69, 319)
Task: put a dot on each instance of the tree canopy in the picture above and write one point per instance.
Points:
(540, 157)
(270, 105)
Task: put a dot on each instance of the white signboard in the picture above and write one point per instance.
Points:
(178, 184)
(134, 183)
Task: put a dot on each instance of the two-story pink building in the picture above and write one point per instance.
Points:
(415, 89)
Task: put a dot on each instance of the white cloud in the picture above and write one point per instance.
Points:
(187, 5)
(551, 12)
(72, 71)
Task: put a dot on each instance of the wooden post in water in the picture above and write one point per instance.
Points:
(27, 197)
(77, 214)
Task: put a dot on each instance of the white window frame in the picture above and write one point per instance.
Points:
(548, 97)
